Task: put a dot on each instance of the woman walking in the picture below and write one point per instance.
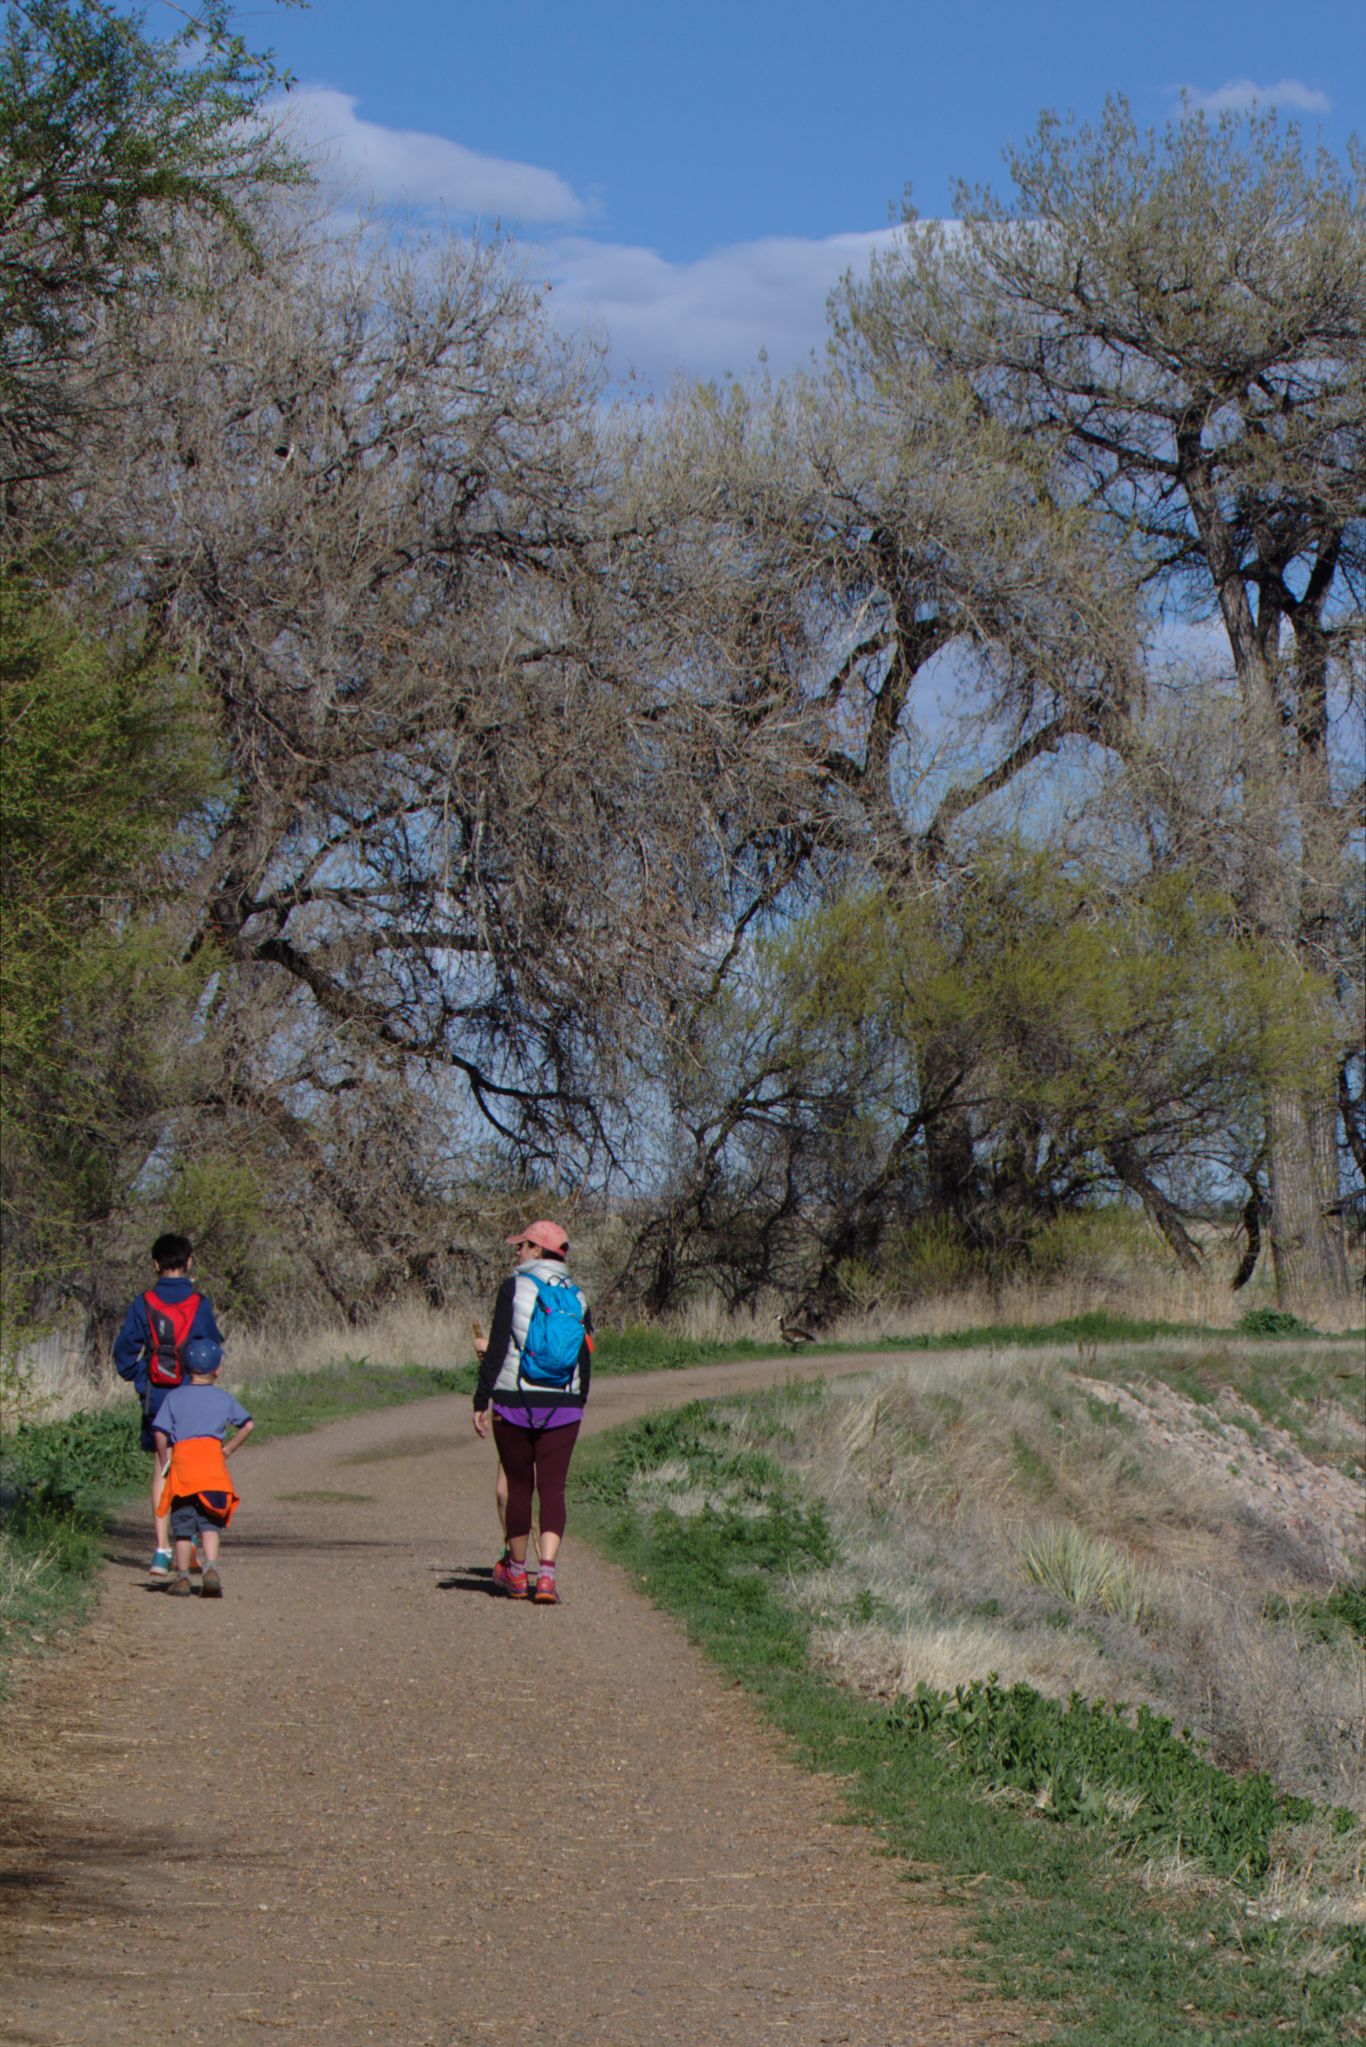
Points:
(533, 1373)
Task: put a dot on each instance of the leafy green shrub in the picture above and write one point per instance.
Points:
(931, 1256)
(1092, 1244)
(223, 1205)
(59, 1479)
(77, 1462)
(1087, 1761)
(1347, 1603)
(1273, 1322)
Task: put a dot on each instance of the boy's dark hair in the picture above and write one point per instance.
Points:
(171, 1251)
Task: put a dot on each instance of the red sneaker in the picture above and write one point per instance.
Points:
(511, 1578)
(545, 1593)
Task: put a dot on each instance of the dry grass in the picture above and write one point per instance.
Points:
(1317, 1878)
(22, 1573)
(883, 1661)
(1143, 1292)
(671, 1485)
(53, 1382)
(996, 1516)
(407, 1333)
(1265, 1698)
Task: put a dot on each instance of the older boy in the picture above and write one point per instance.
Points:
(198, 1496)
(149, 1350)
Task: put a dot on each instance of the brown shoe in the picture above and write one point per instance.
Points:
(212, 1586)
(180, 1588)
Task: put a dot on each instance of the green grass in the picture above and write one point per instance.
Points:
(293, 1404)
(1340, 1614)
(1055, 1914)
(643, 1349)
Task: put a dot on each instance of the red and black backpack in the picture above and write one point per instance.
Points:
(170, 1323)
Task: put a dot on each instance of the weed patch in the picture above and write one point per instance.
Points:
(1341, 1613)
(82, 1461)
(1092, 1763)
(1273, 1322)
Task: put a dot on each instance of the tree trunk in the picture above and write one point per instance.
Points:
(1168, 1218)
(1253, 1210)
(1286, 805)
(1305, 1251)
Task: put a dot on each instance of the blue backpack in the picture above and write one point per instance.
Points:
(554, 1339)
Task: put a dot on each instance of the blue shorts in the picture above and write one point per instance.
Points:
(190, 1517)
(149, 1422)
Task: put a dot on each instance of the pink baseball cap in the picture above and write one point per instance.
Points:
(549, 1236)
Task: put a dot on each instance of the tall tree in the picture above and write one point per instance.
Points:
(107, 753)
(109, 139)
(889, 593)
(1182, 318)
(1104, 1042)
(465, 847)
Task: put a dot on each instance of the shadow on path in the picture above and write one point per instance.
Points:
(471, 1578)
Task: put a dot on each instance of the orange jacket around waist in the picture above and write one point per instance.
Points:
(198, 1469)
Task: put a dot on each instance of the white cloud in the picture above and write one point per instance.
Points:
(658, 318)
(403, 166)
(1240, 94)
(708, 316)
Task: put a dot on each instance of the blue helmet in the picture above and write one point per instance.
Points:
(204, 1355)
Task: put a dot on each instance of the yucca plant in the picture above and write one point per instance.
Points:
(1086, 1571)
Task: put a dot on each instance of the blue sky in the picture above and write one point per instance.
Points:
(693, 179)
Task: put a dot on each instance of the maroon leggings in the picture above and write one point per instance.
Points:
(535, 1460)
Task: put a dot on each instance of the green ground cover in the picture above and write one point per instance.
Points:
(1040, 1818)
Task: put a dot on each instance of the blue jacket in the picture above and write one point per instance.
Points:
(133, 1344)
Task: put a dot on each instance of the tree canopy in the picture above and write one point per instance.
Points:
(846, 828)
(109, 139)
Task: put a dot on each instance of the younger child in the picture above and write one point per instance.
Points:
(149, 1350)
(198, 1496)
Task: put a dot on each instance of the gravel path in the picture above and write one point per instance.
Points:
(361, 1800)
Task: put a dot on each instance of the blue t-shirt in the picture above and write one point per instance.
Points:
(199, 1411)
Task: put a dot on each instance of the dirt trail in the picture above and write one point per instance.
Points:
(361, 1800)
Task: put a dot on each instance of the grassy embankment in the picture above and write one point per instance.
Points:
(863, 1557)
